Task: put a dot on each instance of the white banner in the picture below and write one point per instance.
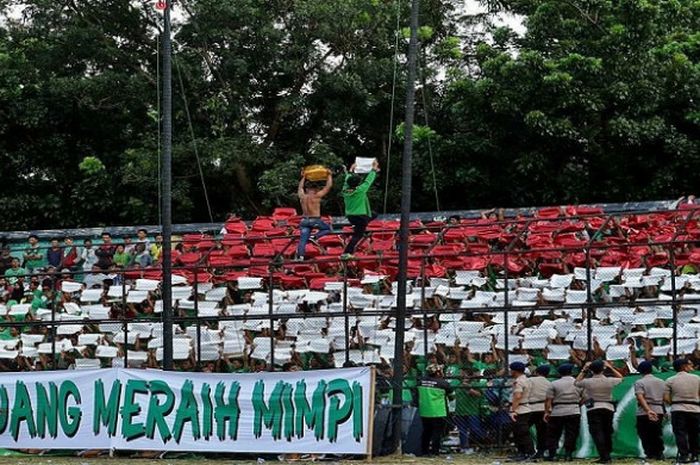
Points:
(323, 411)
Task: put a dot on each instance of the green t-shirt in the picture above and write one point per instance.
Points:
(468, 404)
(37, 263)
(121, 259)
(432, 402)
(12, 274)
(479, 365)
(356, 200)
(453, 371)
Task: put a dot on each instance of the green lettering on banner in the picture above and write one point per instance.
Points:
(288, 408)
(22, 411)
(4, 408)
(130, 409)
(357, 423)
(269, 414)
(70, 417)
(157, 411)
(310, 416)
(207, 409)
(338, 413)
(227, 412)
(187, 411)
(46, 410)
(108, 412)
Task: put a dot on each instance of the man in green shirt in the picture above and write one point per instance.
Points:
(433, 392)
(15, 272)
(357, 207)
(33, 255)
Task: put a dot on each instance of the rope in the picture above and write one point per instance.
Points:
(393, 99)
(194, 140)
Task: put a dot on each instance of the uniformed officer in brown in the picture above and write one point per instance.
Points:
(539, 384)
(650, 411)
(601, 409)
(563, 413)
(520, 413)
(683, 394)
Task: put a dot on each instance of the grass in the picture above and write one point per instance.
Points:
(489, 459)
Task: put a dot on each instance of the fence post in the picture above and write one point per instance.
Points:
(674, 301)
(423, 309)
(125, 322)
(589, 306)
(196, 315)
(270, 296)
(346, 317)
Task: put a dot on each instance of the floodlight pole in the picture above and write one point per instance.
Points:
(406, 173)
(166, 180)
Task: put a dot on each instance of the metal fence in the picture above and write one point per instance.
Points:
(483, 293)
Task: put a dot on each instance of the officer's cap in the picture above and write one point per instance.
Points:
(566, 369)
(517, 366)
(679, 363)
(543, 370)
(645, 367)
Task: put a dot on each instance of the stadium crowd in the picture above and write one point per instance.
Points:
(559, 288)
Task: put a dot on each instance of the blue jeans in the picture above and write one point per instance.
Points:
(306, 226)
(469, 427)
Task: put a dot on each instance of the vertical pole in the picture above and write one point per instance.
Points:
(674, 302)
(196, 315)
(346, 317)
(589, 309)
(424, 310)
(406, 173)
(271, 310)
(506, 319)
(166, 186)
(125, 321)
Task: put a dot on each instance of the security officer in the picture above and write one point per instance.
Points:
(520, 413)
(650, 411)
(563, 413)
(433, 393)
(683, 393)
(601, 409)
(538, 395)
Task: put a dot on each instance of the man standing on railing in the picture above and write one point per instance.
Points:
(650, 411)
(563, 413)
(601, 409)
(683, 394)
(520, 413)
(310, 199)
(357, 208)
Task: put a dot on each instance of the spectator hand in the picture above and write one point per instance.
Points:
(653, 416)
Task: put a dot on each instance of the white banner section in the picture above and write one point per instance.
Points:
(323, 411)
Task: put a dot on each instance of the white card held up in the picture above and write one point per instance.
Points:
(363, 165)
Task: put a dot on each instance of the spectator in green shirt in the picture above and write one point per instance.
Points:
(15, 272)
(470, 400)
(33, 256)
(121, 257)
(357, 207)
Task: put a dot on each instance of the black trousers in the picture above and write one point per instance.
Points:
(359, 225)
(651, 435)
(521, 434)
(537, 420)
(570, 425)
(686, 429)
(600, 425)
(433, 431)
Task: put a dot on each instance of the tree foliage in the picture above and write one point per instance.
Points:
(597, 101)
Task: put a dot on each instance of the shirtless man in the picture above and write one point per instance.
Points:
(310, 199)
